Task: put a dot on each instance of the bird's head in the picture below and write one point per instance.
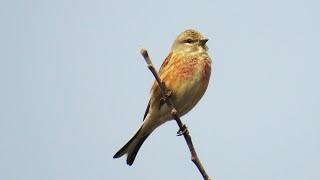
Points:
(190, 41)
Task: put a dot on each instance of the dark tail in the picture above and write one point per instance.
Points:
(132, 147)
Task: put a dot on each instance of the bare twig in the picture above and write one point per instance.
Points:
(183, 130)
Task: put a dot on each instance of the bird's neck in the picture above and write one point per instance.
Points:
(200, 51)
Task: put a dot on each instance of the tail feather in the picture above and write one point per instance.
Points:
(132, 147)
(133, 153)
(124, 149)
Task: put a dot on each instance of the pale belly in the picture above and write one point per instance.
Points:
(190, 93)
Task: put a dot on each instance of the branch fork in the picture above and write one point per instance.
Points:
(183, 130)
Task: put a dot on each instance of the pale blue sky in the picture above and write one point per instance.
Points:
(74, 89)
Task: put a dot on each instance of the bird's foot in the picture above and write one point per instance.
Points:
(182, 130)
(165, 96)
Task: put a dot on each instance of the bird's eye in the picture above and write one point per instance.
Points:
(189, 41)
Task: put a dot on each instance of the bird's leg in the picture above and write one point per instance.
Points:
(166, 94)
(182, 130)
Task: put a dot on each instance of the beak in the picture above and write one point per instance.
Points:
(203, 41)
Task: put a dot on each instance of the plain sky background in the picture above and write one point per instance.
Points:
(74, 89)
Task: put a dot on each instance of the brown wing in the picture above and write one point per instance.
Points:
(165, 63)
(155, 88)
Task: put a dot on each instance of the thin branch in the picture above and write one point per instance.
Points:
(183, 130)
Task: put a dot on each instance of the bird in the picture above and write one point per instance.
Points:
(185, 72)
